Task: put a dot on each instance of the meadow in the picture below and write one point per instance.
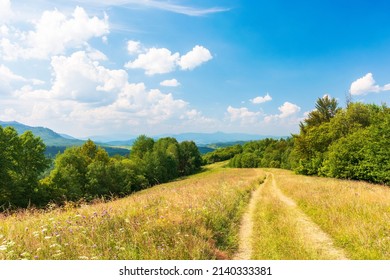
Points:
(356, 215)
(199, 218)
(193, 218)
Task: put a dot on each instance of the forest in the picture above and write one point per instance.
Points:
(347, 143)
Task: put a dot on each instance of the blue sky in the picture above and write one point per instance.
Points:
(134, 66)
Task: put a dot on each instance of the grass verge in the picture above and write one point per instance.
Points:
(355, 214)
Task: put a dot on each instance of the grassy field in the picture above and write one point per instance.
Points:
(199, 218)
(355, 214)
(193, 218)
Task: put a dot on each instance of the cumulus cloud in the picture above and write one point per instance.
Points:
(86, 96)
(155, 61)
(366, 85)
(133, 47)
(5, 10)
(194, 58)
(243, 115)
(261, 99)
(8, 79)
(287, 110)
(54, 33)
(170, 83)
(161, 60)
(7, 76)
(80, 77)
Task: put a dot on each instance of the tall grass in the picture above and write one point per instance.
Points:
(195, 218)
(355, 214)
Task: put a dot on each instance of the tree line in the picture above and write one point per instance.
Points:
(346, 143)
(87, 171)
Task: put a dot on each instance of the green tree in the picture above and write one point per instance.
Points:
(22, 161)
(190, 158)
(142, 146)
(325, 109)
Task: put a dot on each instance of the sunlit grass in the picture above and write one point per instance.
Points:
(355, 214)
(195, 218)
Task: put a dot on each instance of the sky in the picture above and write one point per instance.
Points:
(129, 67)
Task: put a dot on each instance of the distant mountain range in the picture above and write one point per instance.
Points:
(201, 139)
(205, 141)
(56, 142)
(49, 137)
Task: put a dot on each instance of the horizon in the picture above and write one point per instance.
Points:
(85, 68)
(118, 138)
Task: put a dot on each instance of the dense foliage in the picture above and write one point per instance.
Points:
(87, 171)
(22, 161)
(347, 143)
(264, 153)
(353, 144)
(222, 154)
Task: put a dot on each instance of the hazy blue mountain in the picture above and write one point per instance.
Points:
(56, 142)
(67, 136)
(219, 139)
(216, 137)
(49, 137)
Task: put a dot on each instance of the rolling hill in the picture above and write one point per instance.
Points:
(56, 142)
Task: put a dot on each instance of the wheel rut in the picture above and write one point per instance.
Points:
(246, 229)
(310, 231)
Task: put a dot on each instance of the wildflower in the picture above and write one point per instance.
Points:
(3, 247)
(47, 237)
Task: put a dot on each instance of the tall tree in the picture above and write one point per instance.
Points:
(325, 109)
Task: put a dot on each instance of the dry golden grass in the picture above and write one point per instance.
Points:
(195, 218)
(355, 214)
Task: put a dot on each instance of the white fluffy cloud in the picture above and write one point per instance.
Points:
(261, 99)
(287, 110)
(194, 58)
(54, 33)
(366, 85)
(7, 76)
(5, 10)
(79, 77)
(133, 47)
(87, 97)
(8, 79)
(170, 83)
(161, 60)
(243, 115)
(155, 61)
